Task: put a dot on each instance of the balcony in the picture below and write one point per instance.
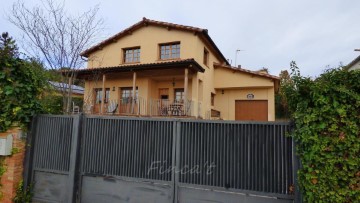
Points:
(143, 107)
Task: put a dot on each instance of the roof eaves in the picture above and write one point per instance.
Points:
(146, 21)
(357, 59)
(248, 71)
(206, 34)
(148, 66)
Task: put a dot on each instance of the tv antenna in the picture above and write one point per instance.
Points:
(236, 53)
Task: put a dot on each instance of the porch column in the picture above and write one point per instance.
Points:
(195, 111)
(133, 93)
(186, 79)
(102, 107)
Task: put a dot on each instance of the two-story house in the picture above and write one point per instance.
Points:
(355, 64)
(163, 69)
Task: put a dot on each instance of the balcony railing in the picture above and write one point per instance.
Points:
(151, 107)
(164, 107)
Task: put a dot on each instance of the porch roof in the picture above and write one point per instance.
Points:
(174, 64)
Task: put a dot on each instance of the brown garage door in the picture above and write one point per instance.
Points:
(254, 110)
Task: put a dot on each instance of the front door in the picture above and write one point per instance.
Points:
(163, 101)
(98, 99)
(127, 104)
(164, 93)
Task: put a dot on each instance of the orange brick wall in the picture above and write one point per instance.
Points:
(14, 166)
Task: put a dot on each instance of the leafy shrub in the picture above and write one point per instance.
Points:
(326, 111)
(23, 195)
(20, 86)
(53, 103)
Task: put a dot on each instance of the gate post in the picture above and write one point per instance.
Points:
(176, 158)
(29, 153)
(296, 167)
(74, 157)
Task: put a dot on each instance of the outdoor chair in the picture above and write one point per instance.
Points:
(88, 108)
(76, 109)
(112, 107)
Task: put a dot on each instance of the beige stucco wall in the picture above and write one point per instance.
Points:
(201, 85)
(226, 78)
(225, 103)
(237, 86)
(149, 38)
(147, 88)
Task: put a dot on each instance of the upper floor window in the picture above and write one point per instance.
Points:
(132, 55)
(206, 57)
(170, 51)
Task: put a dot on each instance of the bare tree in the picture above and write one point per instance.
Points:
(54, 36)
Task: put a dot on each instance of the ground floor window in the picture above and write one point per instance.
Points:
(99, 94)
(179, 95)
(126, 94)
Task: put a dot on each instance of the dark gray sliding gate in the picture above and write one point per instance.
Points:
(117, 155)
(124, 159)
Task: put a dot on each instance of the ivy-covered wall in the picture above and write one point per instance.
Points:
(326, 111)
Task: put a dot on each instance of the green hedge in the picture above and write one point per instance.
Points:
(326, 111)
(53, 103)
(20, 86)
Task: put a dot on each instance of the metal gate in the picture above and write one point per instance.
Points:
(126, 159)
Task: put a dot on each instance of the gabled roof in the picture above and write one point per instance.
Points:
(256, 73)
(352, 63)
(60, 86)
(203, 34)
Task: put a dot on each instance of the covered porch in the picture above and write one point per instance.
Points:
(159, 89)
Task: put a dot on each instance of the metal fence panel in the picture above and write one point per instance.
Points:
(201, 195)
(98, 189)
(126, 147)
(51, 168)
(246, 156)
(53, 143)
(116, 159)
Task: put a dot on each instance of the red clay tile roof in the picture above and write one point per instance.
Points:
(248, 71)
(144, 22)
(142, 66)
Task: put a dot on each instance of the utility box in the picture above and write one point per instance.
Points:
(6, 145)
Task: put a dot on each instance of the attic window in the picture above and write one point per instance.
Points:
(170, 50)
(131, 55)
(206, 57)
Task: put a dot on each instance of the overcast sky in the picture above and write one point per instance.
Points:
(272, 33)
